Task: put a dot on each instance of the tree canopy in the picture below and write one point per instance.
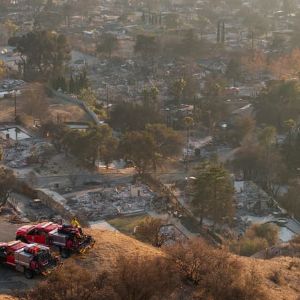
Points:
(146, 45)
(126, 116)
(213, 193)
(278, 102)
(43, 53)
(107, 44)
(149, 147)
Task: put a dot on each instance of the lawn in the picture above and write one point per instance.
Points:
(126, 224)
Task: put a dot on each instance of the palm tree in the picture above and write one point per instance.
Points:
(178, 88)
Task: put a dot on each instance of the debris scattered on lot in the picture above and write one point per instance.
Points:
(112, 201)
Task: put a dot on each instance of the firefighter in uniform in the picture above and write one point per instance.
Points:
(76, 224)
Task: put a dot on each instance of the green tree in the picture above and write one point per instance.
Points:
(139, 147)
(7, 181)
(267, 136)
(168, 142)
(108, 146)
(71, 85)
(107, 44)
(263, 165)
(256, 23)
(146, 45)
(291, 201)
(150, 97)
(213, 193)
(43, 53)
(128, 116)
(234, 71)
(278, 102)
(177, 90)
(81, 82)
(88, 96)
(11, 27)
(99, 141)
(243, 128)
(191, 45)
(2, 69)
(211, 108)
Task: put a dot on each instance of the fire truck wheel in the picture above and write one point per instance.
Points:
(28, 273)
(65, 253)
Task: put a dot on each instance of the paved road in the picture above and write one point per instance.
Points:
(10, 279)
(7, 231)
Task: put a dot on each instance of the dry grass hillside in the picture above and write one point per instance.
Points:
(6, 297)
(280, 276)
(110, 245)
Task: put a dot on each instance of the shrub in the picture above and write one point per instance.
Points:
(149, 231)
(214, 273)
(278, 278)
(193, 267)
(72, 282)
(265, 231)
(141, 278)
(136, 279)
(248, 247)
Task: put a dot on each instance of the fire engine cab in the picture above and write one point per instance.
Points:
(29, 259)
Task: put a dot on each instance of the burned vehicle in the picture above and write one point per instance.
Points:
(67, 238)
(29, 259)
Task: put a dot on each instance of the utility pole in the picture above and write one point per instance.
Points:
(223, 33)
(15, 98)
(107, 97)
(218, 32)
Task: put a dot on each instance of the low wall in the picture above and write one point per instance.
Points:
(78, 102)
(56, 202)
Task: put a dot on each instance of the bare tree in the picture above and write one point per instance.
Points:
(149, 231)
(7, 181)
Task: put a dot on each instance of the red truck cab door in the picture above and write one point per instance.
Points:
(30, 236)
(40, 237)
